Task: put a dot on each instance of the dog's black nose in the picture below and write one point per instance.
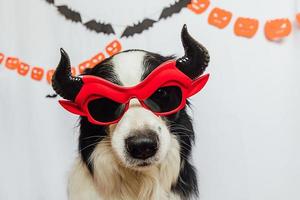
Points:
(142, 146)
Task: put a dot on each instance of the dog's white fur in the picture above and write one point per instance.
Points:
(128, 67)
(113, 181)
(116, 175)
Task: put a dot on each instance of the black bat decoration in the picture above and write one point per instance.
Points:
(51, 95)
(138, 28)
(99, 27)
(173, 9)
(75, 16)
(69, 14)
(50, 1)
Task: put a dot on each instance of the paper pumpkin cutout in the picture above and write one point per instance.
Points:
(1, 57)
(12, 63)
(97, 59)
(198, 6)
(73, 71)
(277, 29)
(113, 47)
(37, 73)
(245, 27)
(49, 75)
(219, 17)
(298, 18)
(23, 69)
(84, 65)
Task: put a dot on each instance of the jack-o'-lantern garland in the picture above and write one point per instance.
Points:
(275, 29)
(37, 73)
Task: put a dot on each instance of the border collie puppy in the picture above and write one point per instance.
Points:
(143, 156)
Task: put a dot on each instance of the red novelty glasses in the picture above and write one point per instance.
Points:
(164, 92)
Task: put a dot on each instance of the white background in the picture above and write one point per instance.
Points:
(246, 118)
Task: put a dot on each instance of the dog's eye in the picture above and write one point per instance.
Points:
(161, 93)
(105, 110)
(164, 99)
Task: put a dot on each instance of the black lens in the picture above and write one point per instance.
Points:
(164, 99)
(105, 110)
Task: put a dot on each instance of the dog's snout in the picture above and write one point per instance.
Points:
(142, 146)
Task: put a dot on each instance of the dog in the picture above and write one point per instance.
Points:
(142, 156)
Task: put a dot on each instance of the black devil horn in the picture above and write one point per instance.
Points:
(63, 83)
(196, 57)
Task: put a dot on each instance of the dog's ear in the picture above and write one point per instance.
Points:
(196, 57)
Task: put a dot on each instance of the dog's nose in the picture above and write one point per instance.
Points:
(142, 146)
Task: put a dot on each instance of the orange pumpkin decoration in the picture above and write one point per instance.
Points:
(12, 63)
(219, 17)
(1, 57)
(277, 29)
(97, 59)
(37, 73)
(82, 66)
(298, 18)
(245, 27)
(198, 6)
(113, 47)
(49, 75)
(73, 71)
(23, 69)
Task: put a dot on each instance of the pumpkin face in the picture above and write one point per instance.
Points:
(219, 18)
(245, 27)
(1, 57)
(73, 71)
(277, 29)
(82, 66)
(113, 47)
(37, 73)
(23, 69)
(49, 75)
(97, 59)
(198, 6)
(12, 63)
(298, 18)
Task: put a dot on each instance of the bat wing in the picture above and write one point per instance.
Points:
(50, 1)
(138, 28)
(99, 27)
(69, 14)
(173, 9)
(51, 95)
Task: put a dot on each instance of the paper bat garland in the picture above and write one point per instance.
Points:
(50, 1)
(75, 16)
(138, 28)
(69, 14)
(173, 9)
(130, 30)
(148, 23)
(99, 27)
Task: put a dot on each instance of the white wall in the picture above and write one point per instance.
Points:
(247, 117)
